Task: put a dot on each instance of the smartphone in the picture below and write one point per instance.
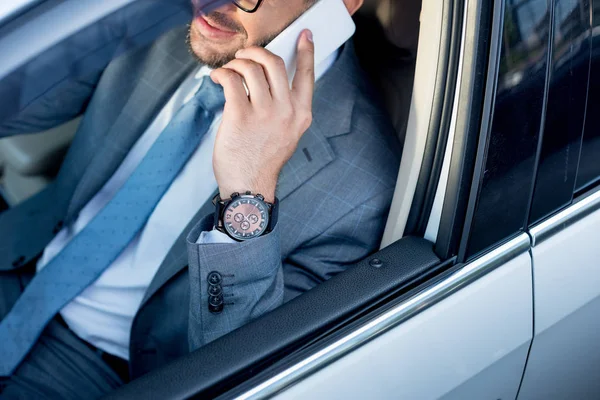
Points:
(330, 24)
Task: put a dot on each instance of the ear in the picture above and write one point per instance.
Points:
(353, 5)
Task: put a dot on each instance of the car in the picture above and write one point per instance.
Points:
(487, 283)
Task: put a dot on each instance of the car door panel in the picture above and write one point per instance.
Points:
(564, 359)
(432, 355)
(565, 354)
(500, 379)
(567, 275)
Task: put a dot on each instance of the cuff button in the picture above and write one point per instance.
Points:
(215, 304)
(214, 278)
(215, 300)
(214, 290)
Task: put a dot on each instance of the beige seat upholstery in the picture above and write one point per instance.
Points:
(386, 43)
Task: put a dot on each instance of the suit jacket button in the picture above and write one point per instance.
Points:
(214, 278)
(214, 290)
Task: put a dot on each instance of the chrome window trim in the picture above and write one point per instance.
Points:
(565, 218)
(403, 311)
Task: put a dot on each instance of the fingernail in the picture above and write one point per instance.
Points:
(309, 35)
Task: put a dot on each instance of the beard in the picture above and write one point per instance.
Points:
(215, 59)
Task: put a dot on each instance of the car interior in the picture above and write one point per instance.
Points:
(386, 43)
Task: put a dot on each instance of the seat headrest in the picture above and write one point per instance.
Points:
(399, 19)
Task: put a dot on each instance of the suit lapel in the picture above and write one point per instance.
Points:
(332, 116)
(159, 74)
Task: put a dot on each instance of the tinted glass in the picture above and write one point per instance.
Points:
(509, 165)
(589, 164)
(565, 112)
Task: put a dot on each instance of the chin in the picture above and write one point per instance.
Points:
(207, 53)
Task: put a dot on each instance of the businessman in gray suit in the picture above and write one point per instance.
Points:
(321, 155)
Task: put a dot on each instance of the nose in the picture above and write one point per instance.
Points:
(226, 6)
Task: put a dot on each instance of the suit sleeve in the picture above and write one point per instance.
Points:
(252, 273)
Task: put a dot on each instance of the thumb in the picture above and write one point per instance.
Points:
(304, 79)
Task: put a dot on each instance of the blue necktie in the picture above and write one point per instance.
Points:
(91, 251)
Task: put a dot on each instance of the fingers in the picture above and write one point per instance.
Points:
(233, 86)
(274, 68)
(304, 80)
(255, 79)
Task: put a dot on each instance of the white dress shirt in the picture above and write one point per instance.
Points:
(103, 313)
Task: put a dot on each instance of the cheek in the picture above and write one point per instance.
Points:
(261, 28)
(255, 32)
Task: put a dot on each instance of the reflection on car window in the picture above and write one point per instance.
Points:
(66, 73)
(515, 127)
(589, 166)
(565, 111)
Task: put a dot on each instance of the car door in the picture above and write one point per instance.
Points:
(514, 218)
(565, 222)
(446, 316)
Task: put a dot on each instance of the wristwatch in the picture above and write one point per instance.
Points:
(245, 216)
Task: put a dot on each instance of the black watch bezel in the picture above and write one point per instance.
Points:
(221, 206)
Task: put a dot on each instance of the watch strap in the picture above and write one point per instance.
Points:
(274, 215)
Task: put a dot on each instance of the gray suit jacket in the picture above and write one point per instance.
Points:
(334, 196)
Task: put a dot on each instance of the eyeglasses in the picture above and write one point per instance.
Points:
(248, 6)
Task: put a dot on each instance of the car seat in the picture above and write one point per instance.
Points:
(386, 43)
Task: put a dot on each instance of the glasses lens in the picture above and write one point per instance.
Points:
(246, 5)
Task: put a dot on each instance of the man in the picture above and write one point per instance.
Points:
(134, 266)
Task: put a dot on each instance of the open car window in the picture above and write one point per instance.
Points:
(472, 90)
(68, 53)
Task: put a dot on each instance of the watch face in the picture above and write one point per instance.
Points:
(246, 217)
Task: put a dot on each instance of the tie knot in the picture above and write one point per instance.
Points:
(210, 95)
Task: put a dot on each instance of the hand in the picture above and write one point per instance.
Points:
(260, 130)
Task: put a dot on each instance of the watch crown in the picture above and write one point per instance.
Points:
(248, 192)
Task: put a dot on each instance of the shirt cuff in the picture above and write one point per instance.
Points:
(214, 236)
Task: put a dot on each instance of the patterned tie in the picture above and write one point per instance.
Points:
(91, 251)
